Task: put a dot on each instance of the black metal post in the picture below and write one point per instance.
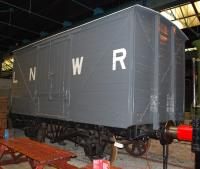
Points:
(197, 160)
(196, 142)
(165, 155)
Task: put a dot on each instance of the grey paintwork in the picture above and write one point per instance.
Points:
(149, 91)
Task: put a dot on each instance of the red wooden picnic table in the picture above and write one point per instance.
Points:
(37, 154)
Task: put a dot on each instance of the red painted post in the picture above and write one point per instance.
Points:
(184, 133)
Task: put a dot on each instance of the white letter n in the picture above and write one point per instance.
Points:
(77, 65)
(32, 73)
(118, 56)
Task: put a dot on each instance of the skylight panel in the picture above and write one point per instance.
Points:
(197, 4)
(187, 10)
(183, 16)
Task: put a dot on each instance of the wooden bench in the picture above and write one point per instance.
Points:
(37, 154)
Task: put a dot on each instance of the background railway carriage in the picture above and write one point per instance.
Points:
(117, 75)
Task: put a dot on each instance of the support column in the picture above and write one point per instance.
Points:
(1, 61)
(196, 121)
(197, 160)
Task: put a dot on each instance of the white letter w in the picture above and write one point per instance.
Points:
(77, 65)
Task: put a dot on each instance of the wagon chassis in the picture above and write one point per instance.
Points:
(97, 141)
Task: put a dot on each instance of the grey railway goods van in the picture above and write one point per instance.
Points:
(121, 70)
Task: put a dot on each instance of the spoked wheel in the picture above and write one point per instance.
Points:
(137, 148)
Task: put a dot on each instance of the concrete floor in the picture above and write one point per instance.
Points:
(180, 157)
